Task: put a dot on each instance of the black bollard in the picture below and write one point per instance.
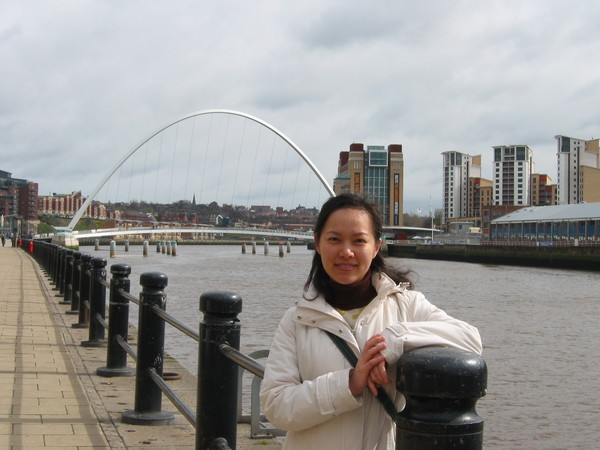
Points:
(61, 270)
(68, 278)
(118, 326)
(151, 342)
(216, 414)
(441, 387)
(55, 264)
(97, 304)
(84, 292)
(75, 279)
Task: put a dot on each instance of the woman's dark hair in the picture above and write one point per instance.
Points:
(317, 277)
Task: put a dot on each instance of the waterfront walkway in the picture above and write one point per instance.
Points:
(51, 395)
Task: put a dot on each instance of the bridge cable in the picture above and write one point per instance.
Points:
(187, 175)
(307, 191)
(119, 184)
(296, 182)
(239, 158)
(144, 173)
(222, 158)
(286, 152)
(173, 163)
(253, 166)
(131, 178)
(269, 170)
(208, 136)
(158, 166)
(106, 199)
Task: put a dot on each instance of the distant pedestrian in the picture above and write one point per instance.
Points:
(3, 240)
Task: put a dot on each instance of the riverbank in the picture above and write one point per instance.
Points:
(579, 258)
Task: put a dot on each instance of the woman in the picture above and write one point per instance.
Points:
(309, 388)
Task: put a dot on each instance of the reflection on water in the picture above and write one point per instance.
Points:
(539, 328)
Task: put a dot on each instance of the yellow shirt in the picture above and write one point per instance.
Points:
(351, 316)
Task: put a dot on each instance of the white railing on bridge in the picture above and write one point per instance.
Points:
(102, 232)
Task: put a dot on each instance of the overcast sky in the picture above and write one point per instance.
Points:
(83, 82)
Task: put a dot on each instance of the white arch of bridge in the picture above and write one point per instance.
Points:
(79, 214)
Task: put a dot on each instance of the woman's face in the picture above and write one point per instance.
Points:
(347, 245)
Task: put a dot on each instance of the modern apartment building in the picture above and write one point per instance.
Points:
(543, 192)
(376, 172)
(480, 195)
(458, 168)
(578, 163)
(513, 166)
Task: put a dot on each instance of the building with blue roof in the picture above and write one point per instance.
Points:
(577, 224)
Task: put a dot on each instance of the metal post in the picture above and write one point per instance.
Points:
(151, 341)
(441, 387)
(68, 278)
(118, 326)
(216, 414)
(63, 271)
(55, 264)
(75, 279)
(97, 304)
(84, 292)
(60, 273)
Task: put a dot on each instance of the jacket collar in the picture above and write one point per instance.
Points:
(318, 313)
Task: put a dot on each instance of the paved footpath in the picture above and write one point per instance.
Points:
(50, 395)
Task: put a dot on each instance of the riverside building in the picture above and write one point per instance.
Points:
(577, 224)
(18, 205)
(459, 168)
(513, 166)
(376, 172)
(578, 170)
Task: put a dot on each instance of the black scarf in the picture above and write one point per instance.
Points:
(351, 296)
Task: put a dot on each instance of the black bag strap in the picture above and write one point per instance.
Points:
(382, 396)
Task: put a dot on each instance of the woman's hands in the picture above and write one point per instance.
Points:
(370, 370)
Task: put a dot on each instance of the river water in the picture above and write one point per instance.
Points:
(539, 327)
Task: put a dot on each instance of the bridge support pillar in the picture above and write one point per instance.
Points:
(66, 239)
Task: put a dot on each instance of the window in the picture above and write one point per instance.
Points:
(378, 158)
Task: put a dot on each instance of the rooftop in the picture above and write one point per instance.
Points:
(580, 211)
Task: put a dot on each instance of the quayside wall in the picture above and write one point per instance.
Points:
(578, 258)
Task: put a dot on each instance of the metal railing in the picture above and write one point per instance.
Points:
(81, 281)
